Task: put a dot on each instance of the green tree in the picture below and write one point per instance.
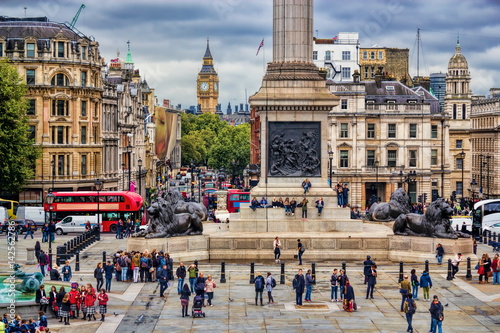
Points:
(232, 149)
(18, 152)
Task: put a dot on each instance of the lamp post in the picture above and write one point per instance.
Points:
(473, 187)
(192, 180)
(401, 175)
(50, 200)
(53, 165)
(123, 176)
(139, 163)
(411, 179)
(488, 176)
(233, 171)
(376, 164)
(330, 157)
(199, 185)
(462, 157)
(480, 175)
(98, 187)
(129, 153)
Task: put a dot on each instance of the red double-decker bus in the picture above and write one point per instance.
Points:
(113, 206)
(235, 198)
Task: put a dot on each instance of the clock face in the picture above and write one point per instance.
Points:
(216, 86)
(204, 86)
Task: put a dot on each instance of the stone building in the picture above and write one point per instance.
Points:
(392, 62)
(62, 69)
(338, 55)
(457, 106)
(208, 85)
(380, 132)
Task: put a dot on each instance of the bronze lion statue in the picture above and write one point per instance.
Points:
(434, 223)
(166, 222)
(388, 211)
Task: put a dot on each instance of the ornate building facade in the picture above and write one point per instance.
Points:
(392, 62)
(208, 85)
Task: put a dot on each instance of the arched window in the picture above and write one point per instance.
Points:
(60, 80)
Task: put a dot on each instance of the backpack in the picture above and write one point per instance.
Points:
(144, 262)
(258, 283)
(273, 282)
(122, 261)
(411, 306)
(302, 248)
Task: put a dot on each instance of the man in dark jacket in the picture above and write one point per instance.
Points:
(299, 285)
(162, 278)
(181, 275)
(372, 280)
(200, 287)
(367, 267)
(108, 274)
(42, 260)
(259, 287)
(437, 317)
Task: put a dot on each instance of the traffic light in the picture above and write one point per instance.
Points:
(425, 197)
(420, 198)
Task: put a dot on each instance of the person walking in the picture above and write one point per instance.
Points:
(42, 261)
(342, 278)
(52, 231)
(484, 268)
(319, 205)
(99, 275)
(437, 315)
(495, 268)
(345, 195)
(200, 287)
(181, 275)
(102, 298)
(136, 264)
(66, 271)
(108, 275)
(29, 231)
(277, 249)
(334, 286)
(304, 203)
(410, 308)
(185, 293)
(45, 233)
(193, 274)
(299, 284)
(405, 290)
(414, 284)
(38, 250)
(300, 251)
(306, 185)
(119, 228)
(309, 284)
(372, 281)
(209, 289)
(454, 264)
(259, 287)
(439, 254)
(349, 298)
(426, 284)
(270, 284)
(367, 267)
(162, 278)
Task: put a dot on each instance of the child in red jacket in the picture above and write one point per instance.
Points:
(90, 298)
(103, 303)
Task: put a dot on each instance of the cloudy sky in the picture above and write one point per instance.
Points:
(168, 37)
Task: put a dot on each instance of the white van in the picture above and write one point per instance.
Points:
(4, 214)
(74, 224)
(36, 214)
(458, 221)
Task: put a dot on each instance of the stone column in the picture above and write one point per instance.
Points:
(30, 256)
(221, 203)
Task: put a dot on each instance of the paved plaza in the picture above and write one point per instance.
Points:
(137, 307)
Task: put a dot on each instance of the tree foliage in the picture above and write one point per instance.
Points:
(207, 140)
(18, 152)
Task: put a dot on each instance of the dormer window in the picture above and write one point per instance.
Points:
(412, 101)
(60, 49)
(84, 52)
(30, 50)
(391, 101)
(389, 88)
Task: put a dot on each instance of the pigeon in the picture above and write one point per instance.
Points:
(81, 278)
(230, 299)
(116, 314)
(446, 304)
(148, 304)
(140, 319)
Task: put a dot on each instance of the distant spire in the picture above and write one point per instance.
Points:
(207, 52)
(129, 60)
(457, 47)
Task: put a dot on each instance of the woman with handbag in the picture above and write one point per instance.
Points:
(484, 269)
(349, 299)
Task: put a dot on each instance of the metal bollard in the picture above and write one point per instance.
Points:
(71, 246)
(77, 261)
(344, 267)
(282, 275)
(401, 267)
(450, 275)
(485, 237)
(480, 235)
(314, 272)
(468, 276)
(103, 257)
(427, 266)
(494, 236)
(252, 272)
(489, 237)
(222, 272)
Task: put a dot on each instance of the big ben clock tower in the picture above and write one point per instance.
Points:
(208, 84)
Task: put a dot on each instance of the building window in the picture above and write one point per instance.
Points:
(346, 55)
(60, 108)
(365, 54)
(458, 144)
(343, 104)
(366, 72)
(84, 165)
(344, 158)
(434, 157)
(370, 158)
(60, 80)
(60, 134)
(412, 162)
(60, 49)
(459, 188)
(84, 135)
(380, 55)
(459, 163)
(434, 182)
(84, 109)
(372, 55)
(392, 158)
(84, 52)
(96, 134)
(464, 114)
(434, 131)
(30, 76)
(84, 79)
(413, 131)
(32, 107)
(31, 132)
(346, 72)
(30, 50)
(370, 133)
(391, 131)
(454, 116)
(60, 165)
(328, 55)
(373, 71)
(315, 55)
(344, 130)
(1, 50)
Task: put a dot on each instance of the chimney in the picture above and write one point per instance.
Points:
(378, 78)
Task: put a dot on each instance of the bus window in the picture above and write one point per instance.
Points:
(491, 208)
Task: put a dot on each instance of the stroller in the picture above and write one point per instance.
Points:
(197, 310)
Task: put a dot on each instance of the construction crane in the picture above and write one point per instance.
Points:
(72, 24)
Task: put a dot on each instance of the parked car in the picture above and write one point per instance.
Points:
(182, 183)
(23, 224)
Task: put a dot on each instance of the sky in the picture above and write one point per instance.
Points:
(168, 37)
